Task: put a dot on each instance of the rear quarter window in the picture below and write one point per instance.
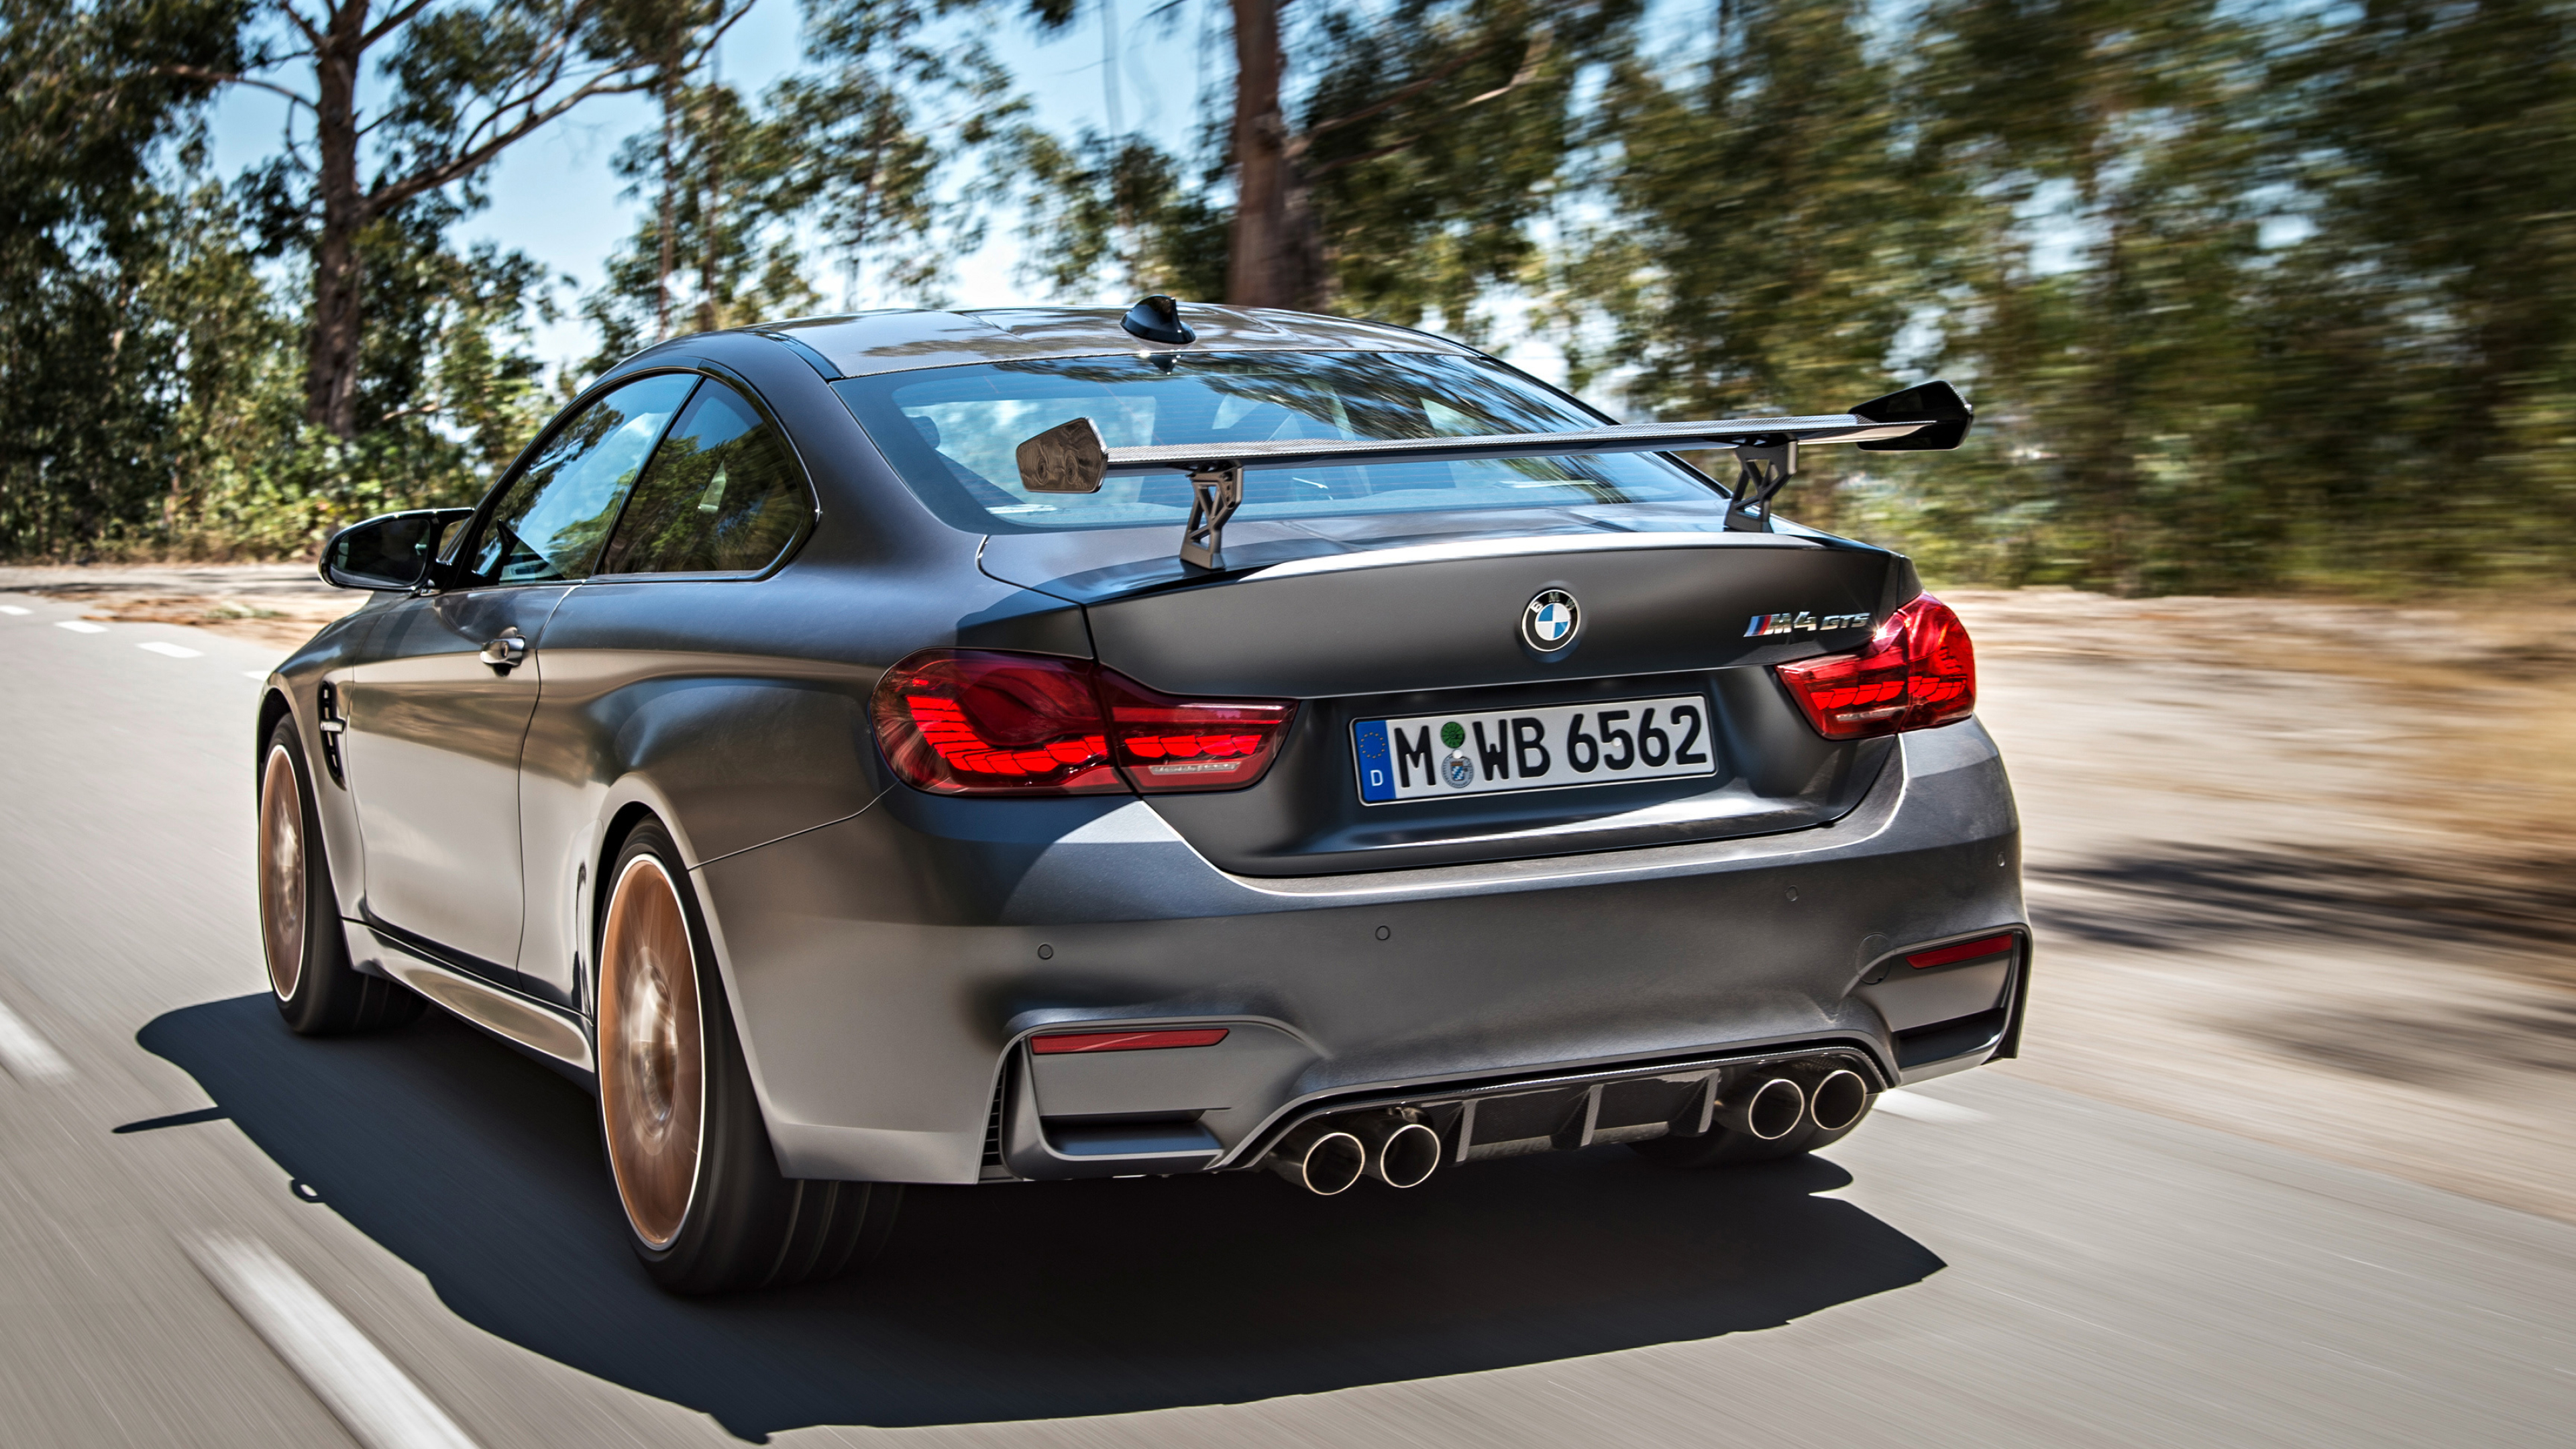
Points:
(723, 494)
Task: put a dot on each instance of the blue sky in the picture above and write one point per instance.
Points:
(554, 197)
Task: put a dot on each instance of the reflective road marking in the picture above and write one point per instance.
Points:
(81, 626)
(1928, 1109)
(175, 651)
(371, 1396)
(14, 609)
(28, 1056)
(259, 674)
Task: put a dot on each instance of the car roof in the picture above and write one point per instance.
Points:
(863, 343)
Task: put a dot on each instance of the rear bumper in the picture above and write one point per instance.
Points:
(887, 969)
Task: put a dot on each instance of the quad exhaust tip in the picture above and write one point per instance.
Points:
(1322, 1160)
(1327, 1157)
(1400, 1153)
(1838, 1099)
(1767, 1110)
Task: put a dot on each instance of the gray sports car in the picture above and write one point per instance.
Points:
(980, 747)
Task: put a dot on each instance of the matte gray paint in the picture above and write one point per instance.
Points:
(433, 758)
(880, 972)
(880, 944)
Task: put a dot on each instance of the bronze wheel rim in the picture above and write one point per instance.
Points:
(651, 1067)
(281, 873)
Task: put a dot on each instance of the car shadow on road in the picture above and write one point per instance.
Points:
(482, 1170)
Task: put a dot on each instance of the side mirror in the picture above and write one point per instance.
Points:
(391, 551)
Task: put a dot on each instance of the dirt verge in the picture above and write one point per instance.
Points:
(2301, 871)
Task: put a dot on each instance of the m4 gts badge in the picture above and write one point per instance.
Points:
(1802, 622)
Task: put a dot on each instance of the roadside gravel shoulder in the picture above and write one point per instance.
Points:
(2301, 871)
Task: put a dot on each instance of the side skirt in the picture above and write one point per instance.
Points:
(556, 1036)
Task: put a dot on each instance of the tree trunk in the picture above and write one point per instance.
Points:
(670, 207)
(331, 367)
(1274, 259)
(712, 308)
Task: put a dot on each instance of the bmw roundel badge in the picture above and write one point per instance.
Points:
(1547, 625)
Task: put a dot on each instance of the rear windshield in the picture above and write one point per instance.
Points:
(953, 432)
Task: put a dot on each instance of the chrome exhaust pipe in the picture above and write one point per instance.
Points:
(1838, 1099)
(1400, 1153)
(1323, 1160)
(1767, 1110)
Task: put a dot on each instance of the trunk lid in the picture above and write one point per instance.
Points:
(1412, 618)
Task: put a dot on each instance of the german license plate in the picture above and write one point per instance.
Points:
(1538, 749)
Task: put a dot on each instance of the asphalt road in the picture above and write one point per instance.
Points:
(213, 1233)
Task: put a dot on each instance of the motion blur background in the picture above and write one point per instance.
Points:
(2265, 537)
(2251, 294)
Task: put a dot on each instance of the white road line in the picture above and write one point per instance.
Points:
(80, 626)
(175, 651)
(378, 1403)
(1928, 1109)
(28, 1056)
(14, 609)
(259, 674)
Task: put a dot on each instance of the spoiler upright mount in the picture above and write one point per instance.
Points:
(1071, 457)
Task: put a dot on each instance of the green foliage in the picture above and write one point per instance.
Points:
(1434, 139)
(863, 149)
(102, 273)
(1116, 208)
(716, 184)
(2249, 295)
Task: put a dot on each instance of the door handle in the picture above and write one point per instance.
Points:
(506, 651)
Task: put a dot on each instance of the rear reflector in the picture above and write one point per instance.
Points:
(1917, 672)
(1964, 951)
(985, 722)
(1124, 1041)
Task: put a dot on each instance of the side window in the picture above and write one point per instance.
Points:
(557, 513)
(723, 495)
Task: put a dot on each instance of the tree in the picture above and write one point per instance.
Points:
(861, 149)
(467, 81)
(2428, 336)
(2130, 136)
(726, 193)
(1419, 158)
(106, 315)
(1768, 234)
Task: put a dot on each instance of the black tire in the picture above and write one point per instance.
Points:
(1721, 1148)
(317, 990)
(706, 1207)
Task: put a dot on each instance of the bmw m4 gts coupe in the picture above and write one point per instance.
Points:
(1003, 746)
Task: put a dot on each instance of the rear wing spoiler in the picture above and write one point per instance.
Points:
(1071, 457)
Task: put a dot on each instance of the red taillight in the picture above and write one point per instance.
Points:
(988, 723)
(1964, 951)
(1167, 743)
(1918, 671)
(1124, 1041)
